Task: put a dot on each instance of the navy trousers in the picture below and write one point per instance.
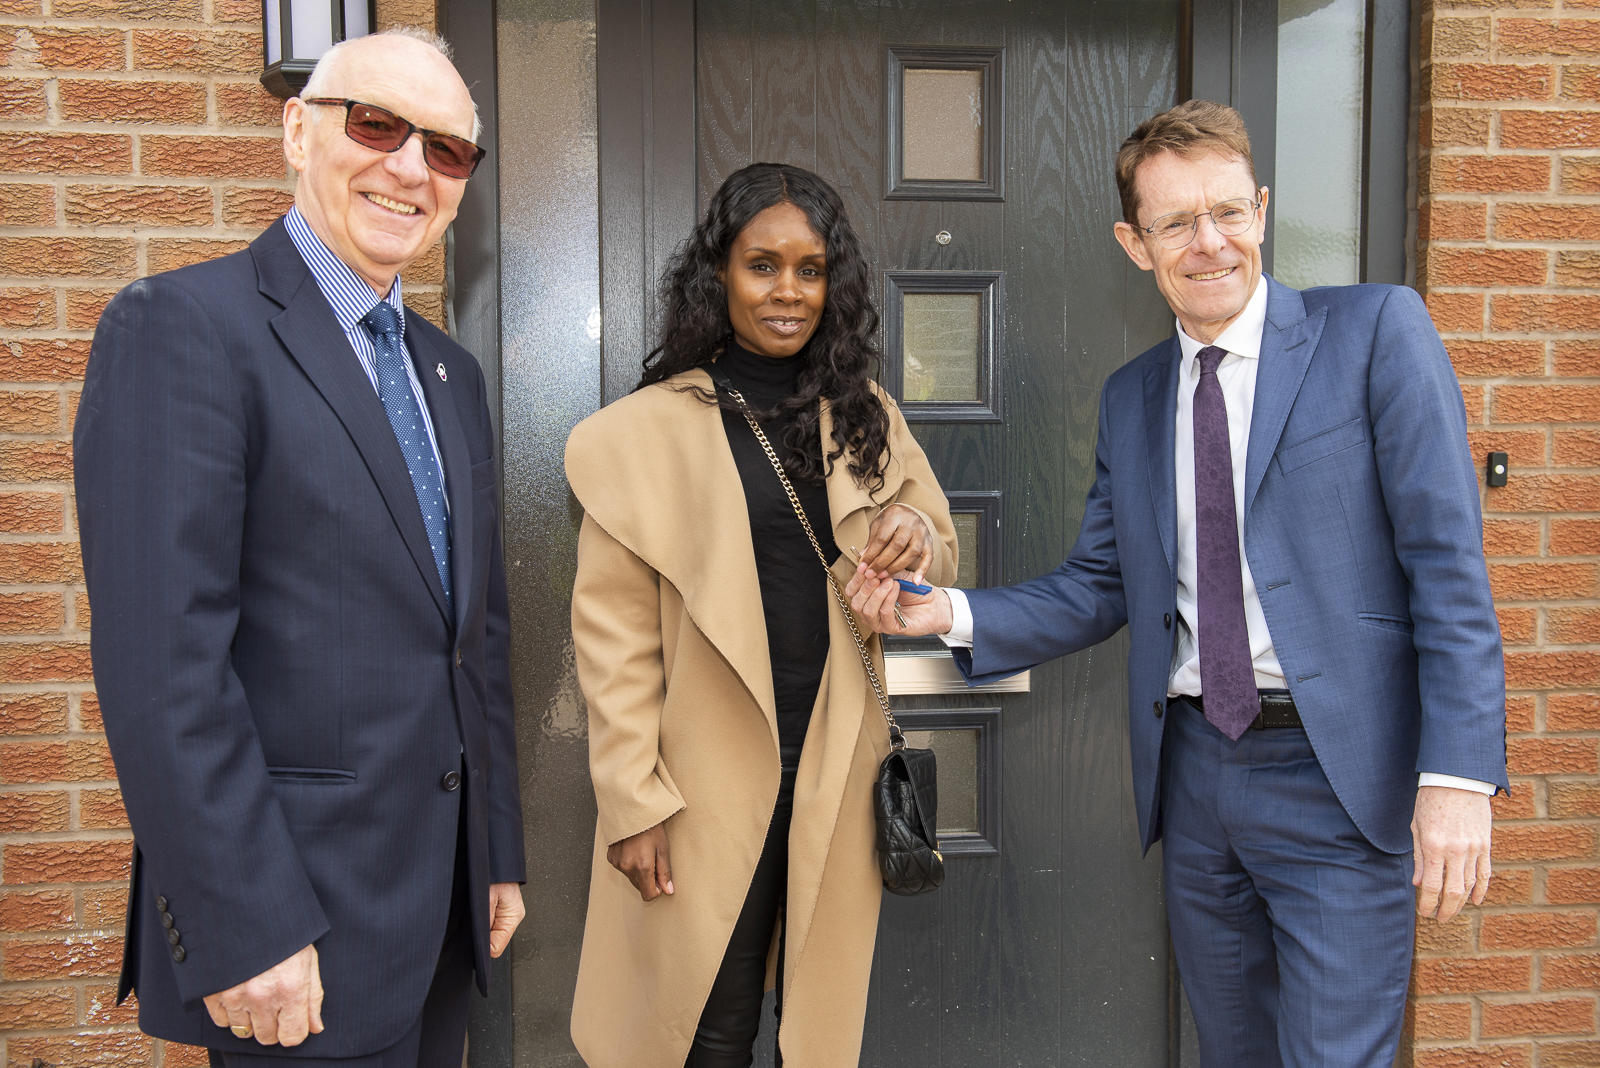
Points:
(1293, 933)
(438, 1038)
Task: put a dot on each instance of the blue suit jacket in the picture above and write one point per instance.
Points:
(282, 686)
(1363, 533)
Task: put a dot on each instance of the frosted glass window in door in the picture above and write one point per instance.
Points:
(956, 752)
(942, 124)
(942, 339)
(969, 552)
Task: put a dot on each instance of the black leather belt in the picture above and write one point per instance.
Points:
(1277, 710)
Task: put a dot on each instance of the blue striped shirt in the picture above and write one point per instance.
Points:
(351, 299)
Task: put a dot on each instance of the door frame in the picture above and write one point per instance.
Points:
(645, 124)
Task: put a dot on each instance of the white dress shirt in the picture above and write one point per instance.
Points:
(1237, 376)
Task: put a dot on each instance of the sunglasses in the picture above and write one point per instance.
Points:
(380, 129)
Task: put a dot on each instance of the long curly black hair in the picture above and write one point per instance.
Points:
(840, 359)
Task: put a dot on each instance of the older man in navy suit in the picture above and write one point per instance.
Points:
(287, 501)
(1285, 515)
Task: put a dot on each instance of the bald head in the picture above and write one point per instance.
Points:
(389, 48)
(377, 211)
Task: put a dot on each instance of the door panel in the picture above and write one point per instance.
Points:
(1052, 951)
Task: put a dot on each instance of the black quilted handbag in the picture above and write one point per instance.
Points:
(904, 800)
(905, 797)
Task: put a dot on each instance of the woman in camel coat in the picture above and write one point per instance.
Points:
(692, 571)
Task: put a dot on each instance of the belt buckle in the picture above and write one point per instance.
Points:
(1277, 710)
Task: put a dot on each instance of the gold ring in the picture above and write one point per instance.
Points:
(242, 1030)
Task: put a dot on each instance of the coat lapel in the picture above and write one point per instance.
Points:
(452, 440)
(308, 329)
(1160, 410)
(655, 471)
(1287, 344)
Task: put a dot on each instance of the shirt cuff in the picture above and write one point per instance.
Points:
(1456, 782)
(959, 636)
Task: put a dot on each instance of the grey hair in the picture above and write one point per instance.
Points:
(321, 74)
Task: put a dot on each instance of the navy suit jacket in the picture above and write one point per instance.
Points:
(283, 688)
(1362, 531)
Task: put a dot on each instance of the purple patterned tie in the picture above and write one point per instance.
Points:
(1227, 677)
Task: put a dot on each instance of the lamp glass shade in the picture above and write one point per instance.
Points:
(295, 34)
(311, 28)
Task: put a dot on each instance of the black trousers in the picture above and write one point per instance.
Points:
(726, 1035)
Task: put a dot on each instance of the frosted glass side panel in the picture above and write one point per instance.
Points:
(1317, 199)
(941, 348)
(942, 125)
(956, 751)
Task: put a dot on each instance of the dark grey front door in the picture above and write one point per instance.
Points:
(1006, 303)
(973, 141)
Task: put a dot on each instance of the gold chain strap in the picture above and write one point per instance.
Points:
(896, 738)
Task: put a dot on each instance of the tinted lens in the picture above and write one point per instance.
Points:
(454, 157)
(376, 128)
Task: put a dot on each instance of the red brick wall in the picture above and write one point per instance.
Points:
(1509, 260)
(136, 139)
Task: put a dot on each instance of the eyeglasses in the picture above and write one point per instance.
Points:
(1177, 229)
(383, 130)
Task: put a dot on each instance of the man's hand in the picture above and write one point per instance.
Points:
(505, 913)
(645, 860)
(1450, 842)
(279, 1007)
(874, 596)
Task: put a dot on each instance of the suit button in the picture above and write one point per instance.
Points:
(451, 780)
(1160, 709)
(1166, 620)
(173, 937)
(166, 920)
(161, 903)
(178, 953)
(458, 658)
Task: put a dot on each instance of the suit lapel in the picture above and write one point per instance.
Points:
(452, 440)
(1287, 344)
(308, 329)
(1161, 413)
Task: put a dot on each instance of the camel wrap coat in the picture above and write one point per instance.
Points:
(672, 657)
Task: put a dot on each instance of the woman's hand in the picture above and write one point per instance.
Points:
(888, 609)
(643, 858)
(898, 541)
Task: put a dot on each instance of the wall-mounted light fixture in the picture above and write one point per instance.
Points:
(295, 33)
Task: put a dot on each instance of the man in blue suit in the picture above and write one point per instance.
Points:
(287, 502)
(1285, 515)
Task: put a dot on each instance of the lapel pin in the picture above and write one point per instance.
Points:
(442, 376)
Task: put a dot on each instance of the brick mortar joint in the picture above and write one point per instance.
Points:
(90, 74)
(79, 834)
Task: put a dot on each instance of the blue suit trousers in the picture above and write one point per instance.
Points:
(1293, 933)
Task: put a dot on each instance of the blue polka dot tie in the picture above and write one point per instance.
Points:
(394, 390)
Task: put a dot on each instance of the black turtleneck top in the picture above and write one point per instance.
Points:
(795, 600)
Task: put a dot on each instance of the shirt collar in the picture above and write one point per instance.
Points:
(349, 296)
(1241, 338)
